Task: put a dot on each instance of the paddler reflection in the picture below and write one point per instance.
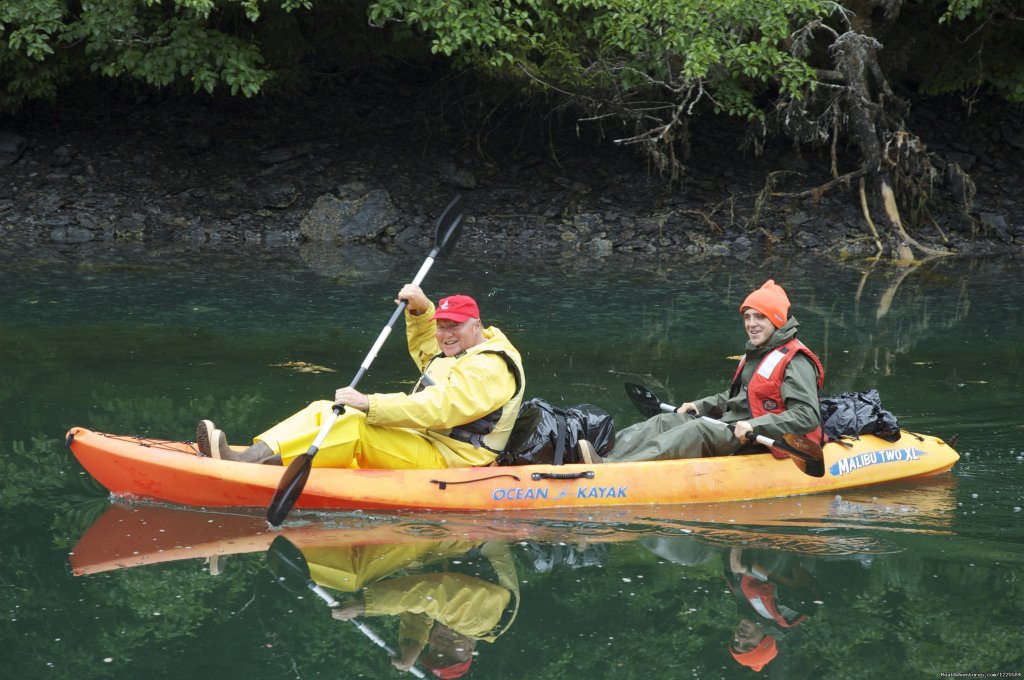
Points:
(447, 595)
(775, 591)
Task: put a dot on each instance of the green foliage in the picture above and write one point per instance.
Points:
(963, 46)
(727, 50)
(647, 62)
(39, 470)
(961, 9)
(201, 44)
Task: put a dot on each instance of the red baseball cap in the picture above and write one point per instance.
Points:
(456, 670)
(457, 308)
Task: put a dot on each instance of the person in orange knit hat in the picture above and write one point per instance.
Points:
(758, 655)
(775, 592)
(774, 390)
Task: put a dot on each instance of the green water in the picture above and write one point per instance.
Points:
(913, 581)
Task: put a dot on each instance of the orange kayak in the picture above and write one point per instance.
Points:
(134, 467)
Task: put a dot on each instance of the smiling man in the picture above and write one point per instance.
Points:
(774, 391)
(460, 413)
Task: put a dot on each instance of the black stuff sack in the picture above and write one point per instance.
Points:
(548, 435)
(855, 413)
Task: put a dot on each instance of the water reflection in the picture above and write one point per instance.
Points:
(775, 591)
(742, 584)
(446, 595)
(918, 582)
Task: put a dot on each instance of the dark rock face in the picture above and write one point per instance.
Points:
(364, 218)
(12, 146)
(277, 175)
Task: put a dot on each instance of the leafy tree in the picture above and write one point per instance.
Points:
(49, 43)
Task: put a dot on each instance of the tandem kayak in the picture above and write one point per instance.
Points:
(172, 471)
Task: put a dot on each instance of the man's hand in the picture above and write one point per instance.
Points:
(743, 431)
(413, 295)
(348, 610)
(408, 653)
(350, 396)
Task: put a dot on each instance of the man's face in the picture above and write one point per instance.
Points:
(454, 338)
(746, 636)
(759, 328)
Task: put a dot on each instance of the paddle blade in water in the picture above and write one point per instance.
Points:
(289, 489)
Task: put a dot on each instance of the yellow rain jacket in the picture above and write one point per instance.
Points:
(466, 404)
(472, 606)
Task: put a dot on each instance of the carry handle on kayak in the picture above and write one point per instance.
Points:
(589, 474)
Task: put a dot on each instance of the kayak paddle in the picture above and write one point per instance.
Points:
(449, 224)
(645, 401)
(807, 455)
(287, 563)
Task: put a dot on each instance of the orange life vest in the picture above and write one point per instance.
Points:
(761, 597)
(764, 393)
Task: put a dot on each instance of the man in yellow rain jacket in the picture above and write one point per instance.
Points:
(459, 414)
(463, 593)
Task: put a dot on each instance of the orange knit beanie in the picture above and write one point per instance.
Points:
(758, 657)
(771, 301)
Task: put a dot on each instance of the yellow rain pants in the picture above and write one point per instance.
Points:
(351, 442)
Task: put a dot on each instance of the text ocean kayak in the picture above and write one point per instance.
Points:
(134, 467)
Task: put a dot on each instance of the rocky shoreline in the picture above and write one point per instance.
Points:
(373, 171)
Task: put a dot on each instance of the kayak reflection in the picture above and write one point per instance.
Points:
(131, 535)
(619, 577)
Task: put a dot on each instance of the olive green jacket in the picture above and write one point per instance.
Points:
(799, 392)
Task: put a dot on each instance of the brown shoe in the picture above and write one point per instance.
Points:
(587, 453)
(219, 443)
(257, 453)
(205, 439)
(215, 563)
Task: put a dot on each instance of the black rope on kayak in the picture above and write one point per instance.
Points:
(149, 443)
(442, 484)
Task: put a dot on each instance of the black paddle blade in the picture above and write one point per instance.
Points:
(287, 563)
(644, 400)
(289, 489)
(806, 448)
(449, 224)
(806, 454)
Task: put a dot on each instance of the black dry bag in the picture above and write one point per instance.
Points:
(548, 435)
(855, 413)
